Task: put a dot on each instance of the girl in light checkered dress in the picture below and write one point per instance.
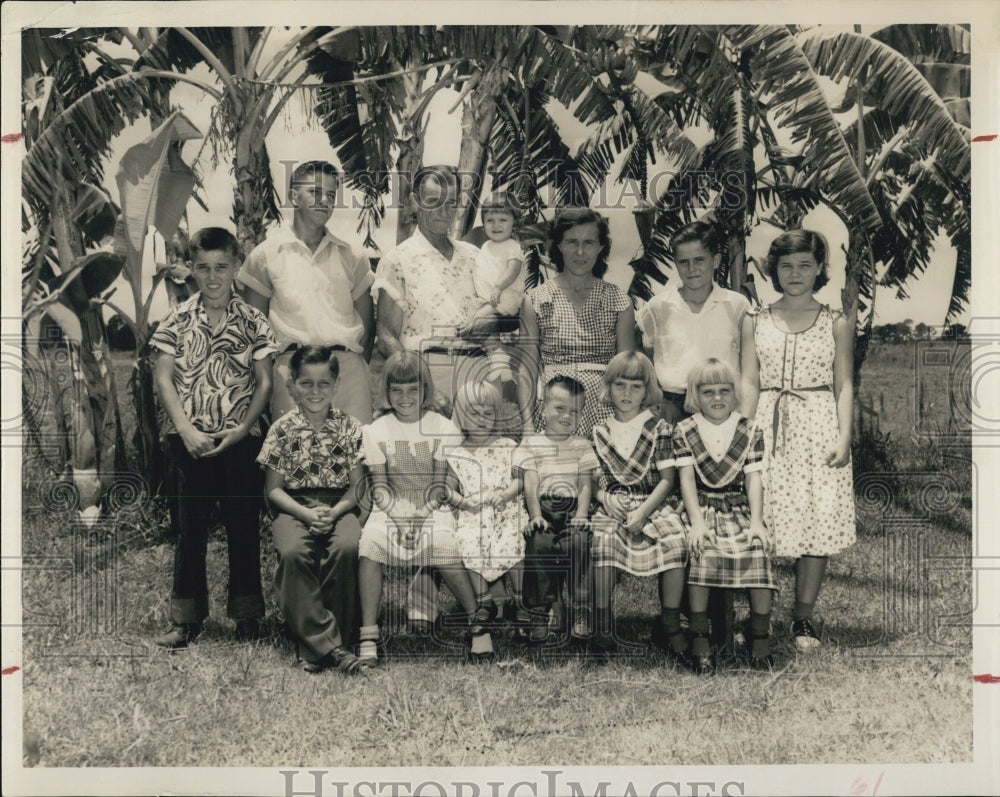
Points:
(638, 529)
(719, 454)
(410, 523)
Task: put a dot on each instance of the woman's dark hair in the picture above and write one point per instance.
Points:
(314, 355)
(565, 219)
(793, 242)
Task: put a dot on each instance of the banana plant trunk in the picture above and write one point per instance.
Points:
(89, 405)
(478, 113)
(251, 166)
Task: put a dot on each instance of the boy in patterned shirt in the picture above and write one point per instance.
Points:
(213, 378)
(312, 461)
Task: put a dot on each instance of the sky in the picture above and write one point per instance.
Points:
(294, 138)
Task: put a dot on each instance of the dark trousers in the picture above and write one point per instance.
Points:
(234, 482)
(550, 557)
(317, 580)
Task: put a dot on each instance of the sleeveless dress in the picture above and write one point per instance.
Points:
(578, 343)
(663, 545)
(808, 505)
(730, 561)
(489, 539)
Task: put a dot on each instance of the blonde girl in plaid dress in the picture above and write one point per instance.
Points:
(637, 529)
(409, 523)
(719, 455)
(482, 487)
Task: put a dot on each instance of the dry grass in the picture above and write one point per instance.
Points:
(892, 683)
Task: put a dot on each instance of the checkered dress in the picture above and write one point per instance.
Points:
(578, 343)
(663, 545)
(730, 561)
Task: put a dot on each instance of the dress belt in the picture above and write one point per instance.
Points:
(784, 392)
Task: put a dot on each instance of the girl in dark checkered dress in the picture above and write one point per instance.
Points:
(719, 455)
(637, 529)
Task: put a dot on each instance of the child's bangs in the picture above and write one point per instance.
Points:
(628, 368)
(717, 373)
(404, 372)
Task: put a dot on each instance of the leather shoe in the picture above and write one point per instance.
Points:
(247, 629)
(179, 636)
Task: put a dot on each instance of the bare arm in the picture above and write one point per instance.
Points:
(625, 331)
(512, 270)
(700, 532)
(749, 368)
(274, 489)
(258, 300)
(636, 520)
(195, 441)
(365, 308)
(389, 326)
(530, 364)
(755, 498)
(843, 390)
(531, 496)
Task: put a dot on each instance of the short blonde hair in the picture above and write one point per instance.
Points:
(632, 365)
(473, 394)
(402, 368)
(711, 372)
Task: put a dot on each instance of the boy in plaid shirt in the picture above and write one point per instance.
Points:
(213, 378)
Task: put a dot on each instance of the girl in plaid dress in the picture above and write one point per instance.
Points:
(409, 523)
(637, 530)
(720, 454)
(482, 487)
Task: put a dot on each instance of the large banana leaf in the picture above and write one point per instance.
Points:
(154, 184)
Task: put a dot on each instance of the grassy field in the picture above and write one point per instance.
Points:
(892, 683)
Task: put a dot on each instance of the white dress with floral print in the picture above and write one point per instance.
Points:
(808, 505)
(490, 539)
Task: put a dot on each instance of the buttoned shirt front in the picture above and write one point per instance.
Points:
(311, 294)
(311, 458)
(681, 339)
(213, 366)
(434, 294)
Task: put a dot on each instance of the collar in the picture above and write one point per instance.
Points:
(196, 305)
(714, 295)
(419, 239)
(299, 419)
(639, 421)
(284, 235)
(716, 431)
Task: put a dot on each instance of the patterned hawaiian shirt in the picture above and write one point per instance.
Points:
(309, 458)
(213, 368)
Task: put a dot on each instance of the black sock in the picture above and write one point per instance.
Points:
(699, 625)
(671, 618)
(802, 611)
(760, 628)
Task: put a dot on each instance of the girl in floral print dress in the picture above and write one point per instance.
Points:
(483, 489)
(719, 455)
(797, 371)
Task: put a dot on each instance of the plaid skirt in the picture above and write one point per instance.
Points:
(731, 561)
(662, 546)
